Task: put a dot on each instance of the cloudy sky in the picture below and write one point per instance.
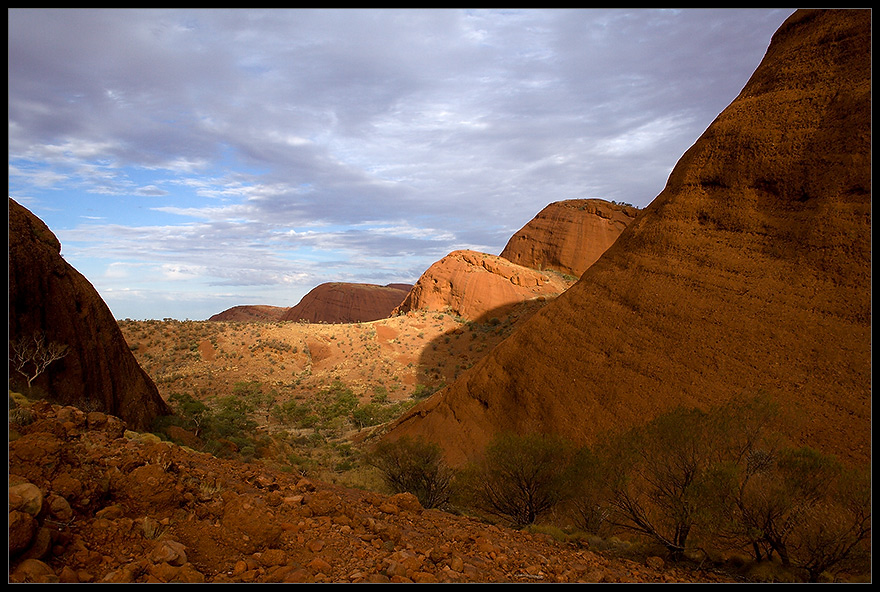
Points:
(194, 160)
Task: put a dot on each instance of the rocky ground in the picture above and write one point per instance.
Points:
(91, 501)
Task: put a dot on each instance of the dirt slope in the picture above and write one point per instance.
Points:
(750, 272)
(569, 236)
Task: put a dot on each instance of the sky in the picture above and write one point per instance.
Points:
(190, 161)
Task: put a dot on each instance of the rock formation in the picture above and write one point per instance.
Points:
(569, 236)
(472, 284)
(51, 301)
(340, 302)
(251, 313)
(749, 273)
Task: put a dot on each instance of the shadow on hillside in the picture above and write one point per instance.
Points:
(450, 354)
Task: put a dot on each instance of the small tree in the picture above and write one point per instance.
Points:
(193, 412)
(299, 414)
(521, 478)
(834, 531)
(31, 356)
(652, 473)
(416, 466)
(589, 506)
(252, 393)
(746, 447)
(808, 509)
(232, 417)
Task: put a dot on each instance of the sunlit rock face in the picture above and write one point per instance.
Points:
(473, 285)
(569, 236)
(749, 273)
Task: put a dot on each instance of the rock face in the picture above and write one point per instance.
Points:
(569, 236)
(340, 302)
(750, 272)
(472, 284)
(251, 313)
(49, 298)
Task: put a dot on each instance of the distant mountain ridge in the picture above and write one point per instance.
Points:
(566, 237)
(341, 302)
(251, 313)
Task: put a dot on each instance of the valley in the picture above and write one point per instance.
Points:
(694, 406)
(397, 361)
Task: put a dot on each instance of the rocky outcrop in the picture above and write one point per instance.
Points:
(248, 313)
(51, 301)
(569, 236)
(472, 284)
(90, 502)
(340, 302)
(750, 273)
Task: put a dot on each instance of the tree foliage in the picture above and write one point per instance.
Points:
(522, 477)
(416, 466)
(652, 472)
(726, 478)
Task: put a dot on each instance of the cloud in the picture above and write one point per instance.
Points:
(256, 146)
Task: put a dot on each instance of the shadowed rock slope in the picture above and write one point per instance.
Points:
(48, 297)
(341, 302)
(472, 284)
(569, 236)
(750, 272)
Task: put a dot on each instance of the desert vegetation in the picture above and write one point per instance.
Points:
(31, 356)
(296, 395)
(719, 486)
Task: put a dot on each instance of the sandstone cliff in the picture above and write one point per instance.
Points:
(48, 297)
(750, 272)
(569, 236)
(340, 302)
(472, 284)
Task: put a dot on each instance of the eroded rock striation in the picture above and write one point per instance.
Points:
(51, 301)
(749, 273)
(473, 284)
(569, 236)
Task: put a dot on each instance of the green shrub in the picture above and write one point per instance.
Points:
(416, 466)
(522, 477)
(232, 417)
